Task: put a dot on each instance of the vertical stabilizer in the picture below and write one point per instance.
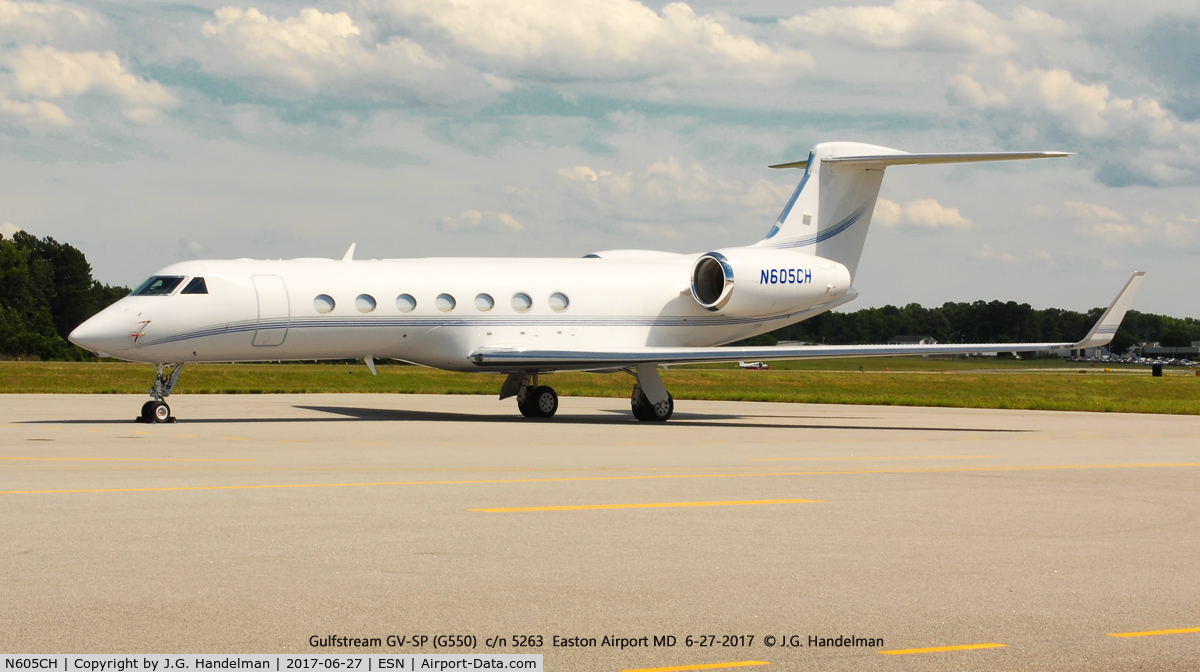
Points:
(830, 211)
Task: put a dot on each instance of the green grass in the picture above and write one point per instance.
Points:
(1035, 385)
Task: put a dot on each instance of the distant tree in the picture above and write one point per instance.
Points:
(46, 290)
(1176, 336)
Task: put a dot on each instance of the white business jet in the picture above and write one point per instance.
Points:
(630, 310)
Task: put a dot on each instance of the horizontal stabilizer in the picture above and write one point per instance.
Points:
(518, 358)
(904, 159)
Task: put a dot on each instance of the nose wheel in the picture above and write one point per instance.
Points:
(156, 410)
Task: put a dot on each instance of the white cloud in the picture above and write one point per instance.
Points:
(673, 183)
(933, 25)
(988, 253)
(8, 229)
(925, 213)
(603, 39)
(316, 50)
(38, 111)
(30, 22)
(1092, 211)
(475, 221)
(1139, 135)
(40, 73)
(1117, 232)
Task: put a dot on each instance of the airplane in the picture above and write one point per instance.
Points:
(631, 310)
(757, 366)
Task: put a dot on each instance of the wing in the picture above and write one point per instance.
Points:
(526, 358)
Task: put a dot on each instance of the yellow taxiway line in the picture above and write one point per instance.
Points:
(935, 649)
(1148, 633)
(565, 479)
(659, 505)
(707, 666)
(898, 457)
(123, 459)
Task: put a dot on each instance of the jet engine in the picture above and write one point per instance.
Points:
(753, 282)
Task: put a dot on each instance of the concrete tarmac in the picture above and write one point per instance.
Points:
(257, 522)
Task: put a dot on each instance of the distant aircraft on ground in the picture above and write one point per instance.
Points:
(630, 310)
(758, 366)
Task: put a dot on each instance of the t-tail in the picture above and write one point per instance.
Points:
(829, 213)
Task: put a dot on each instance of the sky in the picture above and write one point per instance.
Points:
(148, 133)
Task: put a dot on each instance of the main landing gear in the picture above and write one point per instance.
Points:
(650, 401)
(533, 400)
(157, 410)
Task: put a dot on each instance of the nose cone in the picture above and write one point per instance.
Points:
(104, 333)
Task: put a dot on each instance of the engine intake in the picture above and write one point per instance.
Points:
(712, 281)
(769, 281)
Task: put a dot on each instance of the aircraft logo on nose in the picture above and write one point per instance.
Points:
(139, 333)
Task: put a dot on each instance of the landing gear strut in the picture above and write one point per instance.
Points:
(533, 400)
(650, 401)
(157, 410)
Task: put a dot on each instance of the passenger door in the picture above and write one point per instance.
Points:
(273, 310)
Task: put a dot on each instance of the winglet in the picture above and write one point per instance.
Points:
(349, 253)
(1106, 327)
(370, 361)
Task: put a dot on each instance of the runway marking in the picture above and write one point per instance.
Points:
(661, 505)
(707, 666)
(934, 649)
(126, 459)
(612, 478)
(900, 457)
(1153, 632)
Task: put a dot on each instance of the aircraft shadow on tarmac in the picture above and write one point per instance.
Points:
(611, 418)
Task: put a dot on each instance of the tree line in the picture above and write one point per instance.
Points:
(982, 322)
(47, 289)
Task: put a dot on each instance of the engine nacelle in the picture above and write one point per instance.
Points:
(752, 282)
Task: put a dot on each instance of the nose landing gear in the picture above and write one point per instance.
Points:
(157, 410)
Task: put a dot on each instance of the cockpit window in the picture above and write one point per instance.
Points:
(159, 285)
(196, 286)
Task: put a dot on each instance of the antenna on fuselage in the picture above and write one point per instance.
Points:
(349, 253)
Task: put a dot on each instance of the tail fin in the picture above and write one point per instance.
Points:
(829, 213)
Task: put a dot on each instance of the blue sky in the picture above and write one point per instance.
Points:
(148, 133)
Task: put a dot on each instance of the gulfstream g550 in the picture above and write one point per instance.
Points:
(611, 310)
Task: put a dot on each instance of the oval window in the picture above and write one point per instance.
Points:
(445, 303)
(365, 303)
(484, 302)
(521, 302)
(559, 302)
(323, 303)
(405, 303)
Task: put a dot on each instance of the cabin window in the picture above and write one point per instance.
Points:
(196, 286)
(159, 285)
(559, 302)
(445, 303)
(484, 302)
(323, 303)
(521, 302)
(365, 303)
(405, 303)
